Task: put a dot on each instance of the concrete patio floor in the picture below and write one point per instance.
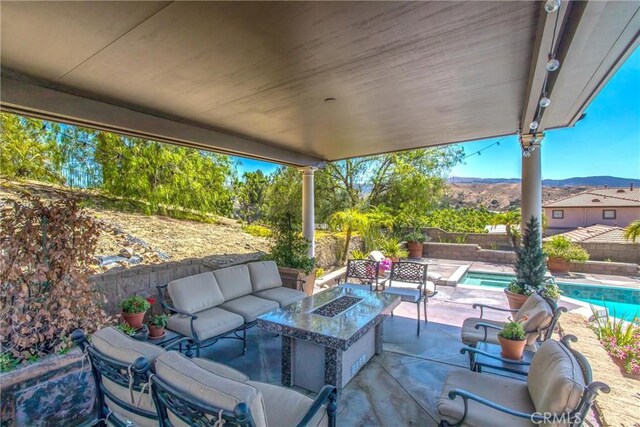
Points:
(400, 387)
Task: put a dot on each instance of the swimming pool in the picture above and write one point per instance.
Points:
(624, 302)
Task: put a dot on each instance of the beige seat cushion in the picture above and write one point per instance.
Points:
(250, 307)
(508, 392)
(539, 316)
(121, 347)
(286, 408)
(264, 275)
(470, 335)
(210, 323)
(220, 369)
(195, 293)
(234, 281)
(283, 296)
(555, 379)
(115, 344)
(428, 289)
(201, 385)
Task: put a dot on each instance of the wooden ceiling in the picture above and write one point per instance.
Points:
(251, 78)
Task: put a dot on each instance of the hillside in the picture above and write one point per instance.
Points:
(133, 237)
(580, 181)
(499, 196)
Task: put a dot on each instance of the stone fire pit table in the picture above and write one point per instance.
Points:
(328, 337)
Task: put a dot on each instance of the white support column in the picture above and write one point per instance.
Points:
(308, 213)
(531, 185)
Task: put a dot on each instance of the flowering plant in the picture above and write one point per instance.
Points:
(513, 330)
(136, 304)
(620, 338)
(386, 264)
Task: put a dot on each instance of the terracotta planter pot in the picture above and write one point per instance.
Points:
(297, 279)
(515, 300)
(155, 331)
(511, 349)
(558, 265)
(415, 249)
(134, 319)
(395, 259)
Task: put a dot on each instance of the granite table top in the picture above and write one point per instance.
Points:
(330, 329)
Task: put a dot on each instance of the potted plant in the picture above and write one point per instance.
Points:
(157, 323)
(530, 266)
(133, 310)
(392, 248)
(561, 251)
(512, 339)
(140, 334)
(290, 252)
(415, 243)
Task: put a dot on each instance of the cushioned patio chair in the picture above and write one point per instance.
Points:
(365, 272)
(408, 280)
(121, 376)
(559, 390)
(267, 284)
(201, 392)
(542, 317)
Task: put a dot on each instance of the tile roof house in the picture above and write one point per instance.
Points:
(609, 206)
(596, 234)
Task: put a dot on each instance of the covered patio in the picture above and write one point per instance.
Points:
(306, 83)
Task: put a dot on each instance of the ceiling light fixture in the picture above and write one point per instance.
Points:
(551, 5)
(553, 64)
(534, 125)
(544, 102)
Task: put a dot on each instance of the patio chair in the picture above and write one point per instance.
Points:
(365, 271)
(408, 280)
(202, 392)
(121, 376)
(542, 317)
(559, 390)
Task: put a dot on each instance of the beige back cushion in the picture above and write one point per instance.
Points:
(115, 344)
(555, 379)
(195, 293)
(264, 275)
(202, 385)
(539, 316)
(234, 281)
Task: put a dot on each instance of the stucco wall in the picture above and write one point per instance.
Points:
(584, 217)
(485, 240)
(619, 252)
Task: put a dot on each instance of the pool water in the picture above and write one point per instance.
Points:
(621, 302)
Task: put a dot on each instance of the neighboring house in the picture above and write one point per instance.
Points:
(605, 242)
(609, 206)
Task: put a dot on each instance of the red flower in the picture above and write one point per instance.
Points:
(151, 300)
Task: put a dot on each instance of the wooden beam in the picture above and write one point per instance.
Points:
(22, 95)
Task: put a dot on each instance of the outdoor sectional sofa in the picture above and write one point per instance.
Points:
(224, 303)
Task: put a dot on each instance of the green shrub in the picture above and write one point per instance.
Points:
(319, 272)
(512, 330)
(356, 254)
(562, 247)
(466, 220)
(257, 230)
(392, 247)
(124, 327)
(289, 248)
(7, 361)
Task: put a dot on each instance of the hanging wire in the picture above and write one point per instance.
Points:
(479, 152)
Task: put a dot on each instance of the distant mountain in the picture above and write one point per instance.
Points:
(586, 181)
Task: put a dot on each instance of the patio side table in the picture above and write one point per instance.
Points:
(481, 361)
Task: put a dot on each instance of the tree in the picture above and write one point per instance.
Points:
(348, 221)
(530, 259)
(632, 231)
(27, 149)
(251, 193)
(511, 220)
(394, 179)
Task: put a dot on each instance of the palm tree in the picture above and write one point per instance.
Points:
(632, 232)
(511, 221)
(348, 221)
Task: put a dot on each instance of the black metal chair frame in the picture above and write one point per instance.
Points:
(411, 272)
(195, 343)
(548, 332)
(118, 372)
(359, 269)
(575, 418)
(169, 399)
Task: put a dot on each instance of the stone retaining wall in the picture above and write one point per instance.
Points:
(470, 252)
(119, 284)
(485, 240)
(618, 252)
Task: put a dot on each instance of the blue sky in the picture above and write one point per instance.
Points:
(605, 142)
